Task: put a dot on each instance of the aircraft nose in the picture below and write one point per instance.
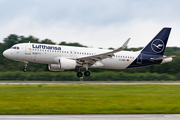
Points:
(5, 53)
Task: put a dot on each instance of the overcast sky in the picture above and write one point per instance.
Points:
(98, 23)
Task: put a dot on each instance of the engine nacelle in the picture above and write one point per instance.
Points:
(62, 64)
(167, 60)
(54, 67)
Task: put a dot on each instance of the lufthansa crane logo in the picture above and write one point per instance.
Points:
(157, 45)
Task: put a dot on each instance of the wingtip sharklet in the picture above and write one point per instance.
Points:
(122, 47)
(125, 44)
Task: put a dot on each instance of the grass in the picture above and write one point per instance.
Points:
(89, 99)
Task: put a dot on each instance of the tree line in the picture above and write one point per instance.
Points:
(10, 65)
(95, 76)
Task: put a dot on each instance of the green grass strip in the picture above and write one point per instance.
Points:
(89, 99)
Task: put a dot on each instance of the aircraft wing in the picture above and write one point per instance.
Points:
(90, 60)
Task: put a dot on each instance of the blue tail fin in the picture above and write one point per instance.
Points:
(158, 44)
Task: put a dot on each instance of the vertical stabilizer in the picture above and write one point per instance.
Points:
(158, 44)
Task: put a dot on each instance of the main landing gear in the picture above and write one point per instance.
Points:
(25, 69)
(86, 73)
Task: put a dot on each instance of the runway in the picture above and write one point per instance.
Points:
(90, 83)
(93, 117)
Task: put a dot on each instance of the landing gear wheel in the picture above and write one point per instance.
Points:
(25, 69)
(87, 73)
(79, 74)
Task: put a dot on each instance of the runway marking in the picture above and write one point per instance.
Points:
(85, 83)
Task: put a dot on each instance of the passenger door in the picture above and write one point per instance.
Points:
(28, 49)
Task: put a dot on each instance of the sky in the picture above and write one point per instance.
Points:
(94, 23)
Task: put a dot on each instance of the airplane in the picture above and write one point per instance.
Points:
(60, 58)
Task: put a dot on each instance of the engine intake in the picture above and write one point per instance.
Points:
(54, 67)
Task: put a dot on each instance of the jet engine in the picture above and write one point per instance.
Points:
(54, 67)
(62, 64)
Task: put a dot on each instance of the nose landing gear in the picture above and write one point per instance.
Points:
(25, 69)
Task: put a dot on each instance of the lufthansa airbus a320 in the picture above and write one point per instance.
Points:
(60, 58)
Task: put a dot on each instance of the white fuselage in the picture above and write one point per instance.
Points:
(39, 53)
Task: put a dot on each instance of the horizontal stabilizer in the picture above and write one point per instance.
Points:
(161, 58)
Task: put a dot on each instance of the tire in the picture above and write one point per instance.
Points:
(25, 69)
(87, 73)
(79, 74)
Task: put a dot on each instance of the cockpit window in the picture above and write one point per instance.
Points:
(14, 47)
